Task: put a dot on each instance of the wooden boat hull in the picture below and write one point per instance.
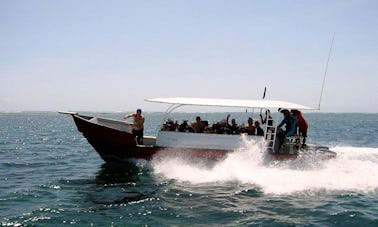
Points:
(117, 144)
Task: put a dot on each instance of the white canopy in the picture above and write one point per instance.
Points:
(266, 104)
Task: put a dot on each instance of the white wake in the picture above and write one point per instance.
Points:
(354, 169)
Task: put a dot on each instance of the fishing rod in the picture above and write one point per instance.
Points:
(325, 72)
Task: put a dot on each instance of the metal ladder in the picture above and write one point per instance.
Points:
(270, 135)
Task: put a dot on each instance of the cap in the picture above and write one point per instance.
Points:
(139, 111)
(284, 110)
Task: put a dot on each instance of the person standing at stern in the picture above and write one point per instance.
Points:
(138, 125)
(301, 124)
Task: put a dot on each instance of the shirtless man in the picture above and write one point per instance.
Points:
(138, 125)
(198, 126)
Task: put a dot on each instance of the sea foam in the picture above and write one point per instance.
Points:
(354, 169)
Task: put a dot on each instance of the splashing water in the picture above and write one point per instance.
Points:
(354, 169)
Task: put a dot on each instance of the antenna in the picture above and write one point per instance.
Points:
(325, 72)
(263, 98)
(264, 93)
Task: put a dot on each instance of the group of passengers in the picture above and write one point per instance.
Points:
(220, 127)
(293, 123)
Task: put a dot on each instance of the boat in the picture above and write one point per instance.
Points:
(114, 142)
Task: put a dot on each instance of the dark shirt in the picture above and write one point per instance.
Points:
(289, 123)
(259, 131)
(234, 129)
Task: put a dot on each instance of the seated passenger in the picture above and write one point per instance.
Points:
(169, 125)
(198, 126)
(233, 128)
(184, 126)
(207, 129)
(219, 127)
(250, 128)
(259, 130)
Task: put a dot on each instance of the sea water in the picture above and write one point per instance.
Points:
(50, 175)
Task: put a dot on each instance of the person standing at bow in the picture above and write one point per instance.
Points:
(138, 125)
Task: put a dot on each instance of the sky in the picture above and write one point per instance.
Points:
(91, 55)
